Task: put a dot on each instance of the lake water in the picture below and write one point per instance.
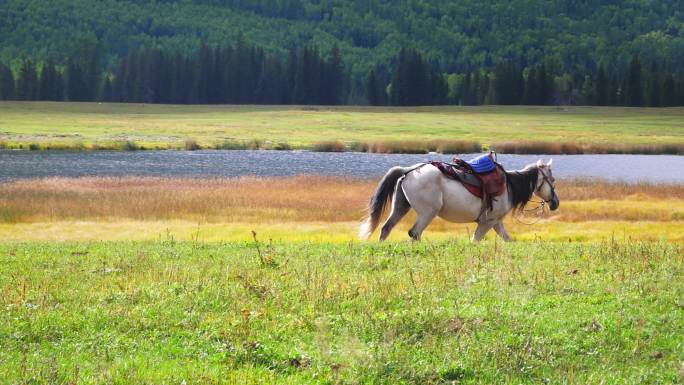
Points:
(38, 164)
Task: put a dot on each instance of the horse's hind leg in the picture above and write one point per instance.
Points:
(422, 221)
(400, 206)
(426, 202)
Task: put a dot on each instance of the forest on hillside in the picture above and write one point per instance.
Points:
(467, 52)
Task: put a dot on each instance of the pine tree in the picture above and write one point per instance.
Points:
(545, 85)
(531, 93)
(614, 91)
(587, 92)
(74, 85)
(669, 97)
(465, 90)
(654, 88)
(50, 87)
(602, 88)
(107, 92)
(6, 83)
(509, 83)
(335, 77)
(633, 90)
(27, 84)
(372, 89)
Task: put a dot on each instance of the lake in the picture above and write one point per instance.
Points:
(39, 164)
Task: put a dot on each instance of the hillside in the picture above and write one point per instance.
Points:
(457, 35)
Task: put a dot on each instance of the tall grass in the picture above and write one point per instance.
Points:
(329, 146)
(538, 147)
(288, 199)
(401, 146)
(377, 146)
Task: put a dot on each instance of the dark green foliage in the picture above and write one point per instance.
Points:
(51, 83)
(377, 81)
(654, 92)
(6, 83)
(27, 84)
(509, 83)
(634, 90)
(602, 88)
(416, 83)
(669, 98)
(236, 75)
(507, 52)
(458, 35)
(75, 84)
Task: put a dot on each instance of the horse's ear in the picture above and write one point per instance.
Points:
(550, 161)
(540, 163)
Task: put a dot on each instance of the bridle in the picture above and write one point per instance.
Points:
(538, 210)
(545, 179)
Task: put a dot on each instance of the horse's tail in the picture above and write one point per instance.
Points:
(383, 194)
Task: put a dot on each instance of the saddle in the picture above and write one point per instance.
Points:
(482, 177)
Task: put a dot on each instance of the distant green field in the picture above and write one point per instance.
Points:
(39, 125)
(188, 312)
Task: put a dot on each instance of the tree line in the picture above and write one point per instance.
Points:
(239, 74)
(416, 82)
(245, 74)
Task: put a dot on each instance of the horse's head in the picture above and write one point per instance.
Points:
(546, 189)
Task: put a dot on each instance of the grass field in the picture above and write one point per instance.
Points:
(161, 281)
(306, 313)
(39, 125)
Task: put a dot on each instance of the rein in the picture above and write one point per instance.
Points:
(540, 209)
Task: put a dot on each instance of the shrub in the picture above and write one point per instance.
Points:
(281, 146)
(129, 145)
(359, 147)
(192, 145)
(457, 147)
(230, 144)
(329, 146)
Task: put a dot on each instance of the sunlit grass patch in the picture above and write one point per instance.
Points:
(382, 129)
(325, 232)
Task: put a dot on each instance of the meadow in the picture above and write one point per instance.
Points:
(449, 129)
(262, 281)
(447, 312)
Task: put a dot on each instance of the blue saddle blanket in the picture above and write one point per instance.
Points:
(482, 164)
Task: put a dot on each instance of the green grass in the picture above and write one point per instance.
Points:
(117, 126)
(295, 312)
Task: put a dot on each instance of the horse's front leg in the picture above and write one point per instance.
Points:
(482, 229)
(499, 228)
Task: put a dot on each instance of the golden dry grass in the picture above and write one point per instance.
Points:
(287, 199)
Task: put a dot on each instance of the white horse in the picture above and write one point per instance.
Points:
(424, 188)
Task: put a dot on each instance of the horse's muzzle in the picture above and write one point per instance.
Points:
(555, 202)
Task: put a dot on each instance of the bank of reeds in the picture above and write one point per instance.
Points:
(376, 146)
(539, 147)
(401, 146)
(286, 199)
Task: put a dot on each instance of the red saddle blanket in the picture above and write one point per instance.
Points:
(490, 184)
(493, 183)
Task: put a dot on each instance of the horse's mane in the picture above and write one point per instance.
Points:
(521, 185)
